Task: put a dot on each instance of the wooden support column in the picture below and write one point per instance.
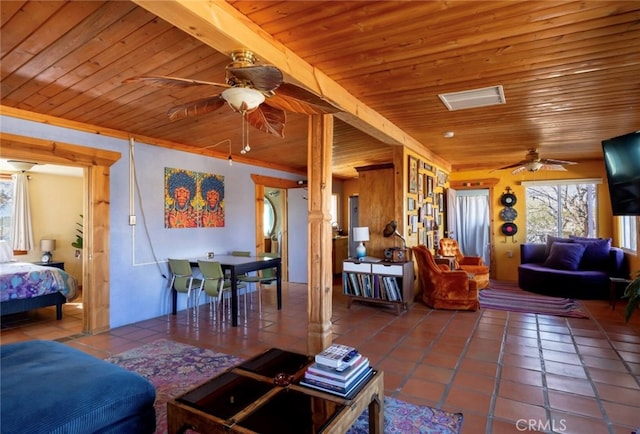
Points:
(320, 286)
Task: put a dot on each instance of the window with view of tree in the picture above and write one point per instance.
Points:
(561, 209)
(628, 232)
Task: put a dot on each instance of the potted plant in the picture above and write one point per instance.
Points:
(632, 292)
(79, 237)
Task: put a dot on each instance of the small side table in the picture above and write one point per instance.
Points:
(446, 260)
(613, 289)
(57, 264)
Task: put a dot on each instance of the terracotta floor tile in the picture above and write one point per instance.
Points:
(469, 400)
(424, 389)
(567, 423)
(560, 356)
(433, 373)
(474, 381)
(565, 369)
(570, 385)
(521, 392)
(605, 353)
(571, 403)
(521, 375)
(613, 378)
(510, 410)
(623, 414)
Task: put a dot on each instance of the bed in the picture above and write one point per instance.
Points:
(25, 286)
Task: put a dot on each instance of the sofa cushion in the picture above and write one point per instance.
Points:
(596, 253)
(565, 256)
(551, 239)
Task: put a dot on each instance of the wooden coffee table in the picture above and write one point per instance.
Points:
(263, 395)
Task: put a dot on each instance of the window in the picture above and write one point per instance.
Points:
(6, 203)
(269, 218)
(561, 209)
(334, 211)
(628, 232)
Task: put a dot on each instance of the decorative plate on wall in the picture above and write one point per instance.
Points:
(508, 199)
(508, 214)
(509, 229)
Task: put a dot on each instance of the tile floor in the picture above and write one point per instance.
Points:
(506, 372)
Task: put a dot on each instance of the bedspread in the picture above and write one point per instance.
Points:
(20, 280)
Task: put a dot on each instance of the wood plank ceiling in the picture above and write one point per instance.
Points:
(570, 72)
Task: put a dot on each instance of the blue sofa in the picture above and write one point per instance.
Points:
(49, 387)
(579, 271)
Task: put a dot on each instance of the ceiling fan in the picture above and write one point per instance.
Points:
(533, 163)
(256, 91)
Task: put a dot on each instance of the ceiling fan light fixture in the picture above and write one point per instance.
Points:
(22, 166)
(534, 166)
(243, 99)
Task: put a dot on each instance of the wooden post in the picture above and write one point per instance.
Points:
(320, 286)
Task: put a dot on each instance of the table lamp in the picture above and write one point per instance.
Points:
(361, 234)
(47, 246)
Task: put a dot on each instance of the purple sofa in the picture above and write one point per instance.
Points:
(569, 271)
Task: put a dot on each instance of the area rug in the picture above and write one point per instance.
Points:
(174, 368)
(517, 300)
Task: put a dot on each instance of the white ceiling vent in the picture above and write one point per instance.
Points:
(473, 98)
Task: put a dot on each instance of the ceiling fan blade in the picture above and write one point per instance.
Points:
(518, 170)
(264, 78)
(556, 162)
(298, 100)
(268, 119)
(194, 108)
(170, 82)
(520, 163)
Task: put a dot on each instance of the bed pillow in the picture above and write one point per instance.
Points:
(596, 253)
(565, 256)
(6, 254)
(551, 239)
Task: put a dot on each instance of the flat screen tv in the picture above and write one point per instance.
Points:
(622, 163)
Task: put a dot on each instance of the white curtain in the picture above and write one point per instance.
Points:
(472, 223)
(21, 229)
(452, 199)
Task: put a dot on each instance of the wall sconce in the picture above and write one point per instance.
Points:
(361, 234)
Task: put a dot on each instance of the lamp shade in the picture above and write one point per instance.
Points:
(243, 99)
(47, 245)
(361, 233)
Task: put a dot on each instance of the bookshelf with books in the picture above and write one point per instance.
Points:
(381, 282)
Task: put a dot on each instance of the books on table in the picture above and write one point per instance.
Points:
(344, 391)
(336, 356)
(339, 369)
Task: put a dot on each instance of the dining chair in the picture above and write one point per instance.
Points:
(244, 278)
(263, 277)
(216, 287)
(182, 279)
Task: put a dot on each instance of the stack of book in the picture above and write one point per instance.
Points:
(339, 369)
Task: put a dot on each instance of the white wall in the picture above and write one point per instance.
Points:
(139, 289)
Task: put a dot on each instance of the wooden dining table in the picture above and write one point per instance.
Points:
(238, 265)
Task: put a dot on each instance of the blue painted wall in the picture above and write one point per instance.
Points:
(138, 289)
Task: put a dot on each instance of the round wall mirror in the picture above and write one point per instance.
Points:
(269, 216)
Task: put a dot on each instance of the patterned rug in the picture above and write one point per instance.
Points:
(175, 368)
(513, 299)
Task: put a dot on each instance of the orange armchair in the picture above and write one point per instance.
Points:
(443, 288)
(470, 264)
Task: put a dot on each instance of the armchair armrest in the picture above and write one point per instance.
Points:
(456, 282)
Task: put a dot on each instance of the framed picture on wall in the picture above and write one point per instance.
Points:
(429, 186)
(411, 204)
(413, 175)
(420, 182)
(441, 177)
(441, 201)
